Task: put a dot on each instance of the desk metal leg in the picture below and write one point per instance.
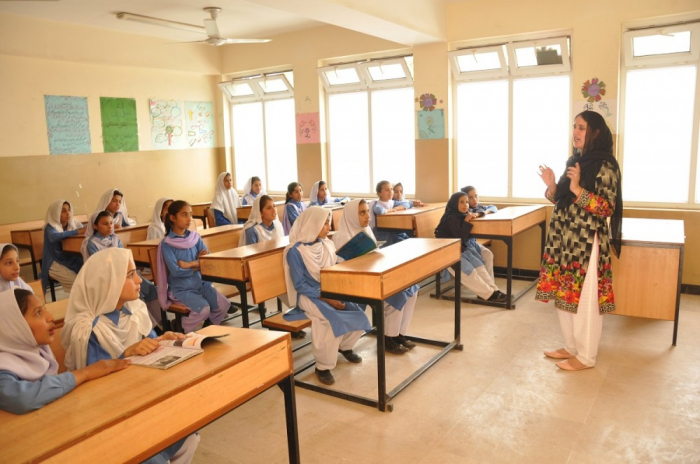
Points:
(509, 272)
(458, 304)
(244, 303)
(378, 316)
(290, 411)
(678, 296)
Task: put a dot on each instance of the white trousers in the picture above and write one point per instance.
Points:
(480, 281)
(582, 330)
(396, 322)
(487, 255)
(63, 275)
(186, 452)
(324, 342)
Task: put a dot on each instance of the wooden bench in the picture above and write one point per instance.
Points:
(199, 211)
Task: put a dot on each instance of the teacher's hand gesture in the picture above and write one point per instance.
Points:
(547, 176)
(574, 173)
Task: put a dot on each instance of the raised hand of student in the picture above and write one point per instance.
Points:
(142, 348)
(99, 369)
(336, 304)
(574, 173)
(171, 336)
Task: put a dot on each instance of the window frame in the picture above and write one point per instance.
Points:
(564, 67)
(462, 76)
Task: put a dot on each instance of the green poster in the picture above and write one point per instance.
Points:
(120, 130)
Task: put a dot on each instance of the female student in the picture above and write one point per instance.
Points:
(455, 224)
(320, 195)
(293, 207)
(9, 269)
(262, 225)
(252, 189)
(576, 266)
(179, 278)
(398, 192)
(105, 320)
(398, 310)
(386, 205)
(477, 210)
(113, 201)
(29, 376)
(225, 201)
(157, 227)
(56, 264)
(335, 325)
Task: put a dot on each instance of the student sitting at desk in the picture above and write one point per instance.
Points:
(9, 269)
(293, 206)
(56, 264)
(178, 273)
(225, 201)
(455, 224)
(398, 309)
(252, 189)
(29, 376)
(478, 210)
(335, 325)
(398, 193)
(386, 205)
(156, 229)
(105, 320)
(113, 201)
(321, 196)
(262, 224)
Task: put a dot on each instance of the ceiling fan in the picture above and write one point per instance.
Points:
(210, 27)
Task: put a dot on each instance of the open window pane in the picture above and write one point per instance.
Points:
(248, 144)
(479, 62)
(241, 89)
(661, 44)
(393, 138)
(409, 64)
(342, 76)
(273, 85)
(482, 136)
(658, 133)
(349, 141)
(536, 56)
(540, 131)
(281, 143)
(386, 72)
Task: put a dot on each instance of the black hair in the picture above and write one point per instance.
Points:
(100, 215)
(362, 202)
(380, 184)
(468, 189)
(117, 192)
(290, 190)
(253, 180)
(174, 208)
(7, 248)
(263, 201)
(22, 298)
(598, 135)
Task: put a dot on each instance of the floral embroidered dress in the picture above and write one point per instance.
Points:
(570, 243)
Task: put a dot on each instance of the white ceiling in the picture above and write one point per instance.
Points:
(239, 19)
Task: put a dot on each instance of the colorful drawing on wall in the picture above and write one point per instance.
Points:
(120, 130)
(67, 124)
(593, 90)
(606, 107)
(427, 101)
(199, 123)
(431, 125)
(166, 123)
(308, 130)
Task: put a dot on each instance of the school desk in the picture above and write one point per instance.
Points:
(372, 278)
(421, 220)
(199, 212)
(137, 233)
(243, 211)
(647, 275)
(133, 414)
(230, 267)
(505, 225)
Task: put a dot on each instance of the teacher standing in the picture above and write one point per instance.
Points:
(586, 224)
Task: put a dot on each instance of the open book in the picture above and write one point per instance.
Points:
(172, 352)
(359, 245)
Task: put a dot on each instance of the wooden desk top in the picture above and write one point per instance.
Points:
(126, 235)
(198, 209)
(653, 231)
(406, 219)
(509, 221)
(231, 264)
(243, 211)
(382, 273)
(132, 414)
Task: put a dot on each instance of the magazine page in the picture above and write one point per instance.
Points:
(164, 357)
(193, 341)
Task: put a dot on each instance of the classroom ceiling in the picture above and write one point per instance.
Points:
(239, 18)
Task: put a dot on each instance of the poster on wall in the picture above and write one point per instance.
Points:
(199, 124)
(606, 108)
(166, 124)
(308, 130)
(67, 124)
(431, 124)
(120, 131)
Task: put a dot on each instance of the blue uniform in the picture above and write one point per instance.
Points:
(53, 251)
(390, 236)
(95, 352)
(251, 235)
(22, 396)
(220, 219)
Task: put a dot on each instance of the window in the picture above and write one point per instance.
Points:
(504, 127)
(660, 119)
(263, 125)
(370, 124)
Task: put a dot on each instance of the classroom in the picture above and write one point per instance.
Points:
(436, 95)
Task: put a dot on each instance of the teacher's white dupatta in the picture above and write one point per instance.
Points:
(255, 220)
(226, 200)
(96, 292)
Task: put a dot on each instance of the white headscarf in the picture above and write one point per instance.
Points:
(53, 217)
(313, 197)
(403, 195)
(317, 256)
(225, 200)
(106, 198)
(246, 191)
(255, 220)
(12, 284)
(350, 225)
(107, 242)
(96, 292)
(157, 229)
(19, 351)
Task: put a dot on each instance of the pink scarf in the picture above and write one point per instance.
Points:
(181, 243)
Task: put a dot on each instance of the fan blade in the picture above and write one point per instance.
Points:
(211, 28)
(247, 41)
(192, 42)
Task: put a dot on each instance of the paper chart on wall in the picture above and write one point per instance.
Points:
(308, 130)
(199, 124)
(166, 124)
(67, 124)
(431, 124)
(605, 107)
(120, 131)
